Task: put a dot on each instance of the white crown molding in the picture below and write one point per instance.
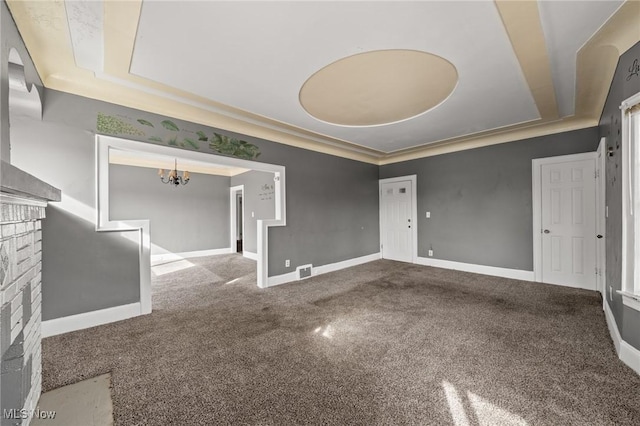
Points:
(55, 64)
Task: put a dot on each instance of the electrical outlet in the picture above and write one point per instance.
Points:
(287, 263)
(428, 215)
(430, 253)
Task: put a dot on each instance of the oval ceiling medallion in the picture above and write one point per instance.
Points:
(378, 87)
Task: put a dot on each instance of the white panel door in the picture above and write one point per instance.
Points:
(601, 225)
(397, 236)
(568, 224)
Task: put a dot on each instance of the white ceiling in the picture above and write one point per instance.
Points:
(567, 26)
(240, 65)
(256, 56)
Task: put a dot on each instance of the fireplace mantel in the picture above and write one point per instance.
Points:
(21, 184)
(23, 200)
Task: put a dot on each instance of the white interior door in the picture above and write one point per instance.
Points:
(568, 209)
(396, 227)
(601, 214)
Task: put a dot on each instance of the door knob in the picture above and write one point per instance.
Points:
(546, 231)
(598, 236)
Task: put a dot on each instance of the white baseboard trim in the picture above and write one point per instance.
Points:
(627, 353)
(516, 274)
(282, 279)
(250, 255)
(345, 264)
(84, 320)
(172, 257)
(319, 270)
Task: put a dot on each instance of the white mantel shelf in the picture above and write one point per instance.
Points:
(19, 183)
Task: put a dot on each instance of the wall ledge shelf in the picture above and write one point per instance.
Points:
(19, 183)
(629, 299)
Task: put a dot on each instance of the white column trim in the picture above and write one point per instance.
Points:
(104, 224)
(234, 214)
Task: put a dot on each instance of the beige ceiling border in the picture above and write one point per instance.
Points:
(121, 26)
(596, 65)
(598, 58)
(44, 29)
(114, 93)
(511, 134)
(521, 20)
(45, 32)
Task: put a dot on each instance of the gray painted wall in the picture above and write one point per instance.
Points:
(332, 209)
(622, 87)
(259, 199)
(82, 270)
(188, 218)
(480, 200)
(77, 263)
(332, 203)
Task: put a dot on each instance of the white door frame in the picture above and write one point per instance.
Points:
(104, 144)
(414, 212)
(536, 166)
(233, 191)
(601, 214)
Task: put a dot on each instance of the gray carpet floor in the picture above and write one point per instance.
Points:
(378, 344)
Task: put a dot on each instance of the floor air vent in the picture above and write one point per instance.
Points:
(304, 271)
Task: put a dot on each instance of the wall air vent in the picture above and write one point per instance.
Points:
(304, 271)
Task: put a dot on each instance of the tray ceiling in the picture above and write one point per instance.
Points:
(241, 66)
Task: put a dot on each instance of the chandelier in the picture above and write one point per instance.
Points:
(173, 177)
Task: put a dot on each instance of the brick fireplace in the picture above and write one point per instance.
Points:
(23, 200)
